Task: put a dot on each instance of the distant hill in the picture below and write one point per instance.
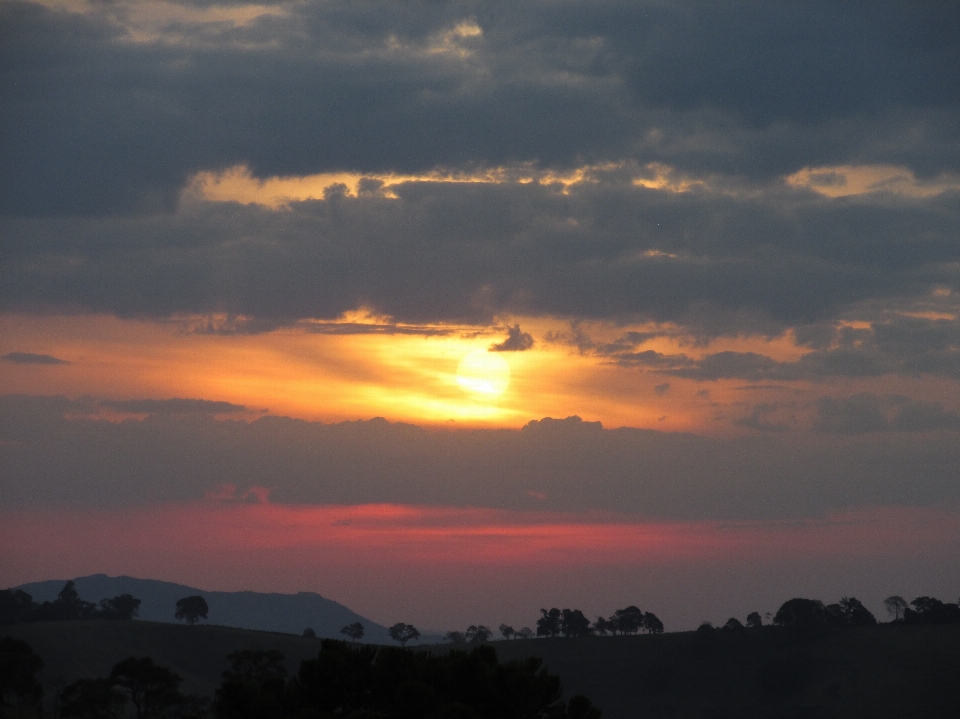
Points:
(288, 613)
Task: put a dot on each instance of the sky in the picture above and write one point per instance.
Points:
(450, 311)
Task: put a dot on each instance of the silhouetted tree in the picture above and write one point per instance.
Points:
(754, 621)
(354, 631)
(92, 699)
(548, 625)
(628, 620)
(478, 634)
(705, 638)
(16, 606)
(525, 633)
(152, 689)
(254, 686)
(403, 633)
(733, 625)
(652, 624)
(856, 614)
(125, 606)
(310, 634)
(895, 606)
(927, 610)
(455, 637)
(68, 605)
(800, 613)
(19, 666)
(389, 682)
(573, 623)
(192, 609)
(507, 631)
(602, 627)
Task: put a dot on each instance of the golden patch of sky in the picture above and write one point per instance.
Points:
(847, 180)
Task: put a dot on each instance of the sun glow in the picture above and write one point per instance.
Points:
(483, 375)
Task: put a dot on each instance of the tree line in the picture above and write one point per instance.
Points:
(566, 623)
(344, 681)
(17, 606)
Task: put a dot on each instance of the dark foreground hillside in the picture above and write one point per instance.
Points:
(89, 649)
(881, 672)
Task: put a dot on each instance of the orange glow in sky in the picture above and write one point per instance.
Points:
(361, 367)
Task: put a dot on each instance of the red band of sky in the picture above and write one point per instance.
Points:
(395, 552)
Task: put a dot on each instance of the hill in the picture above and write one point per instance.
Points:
(884, 672)
(88, 649)
(289, 613)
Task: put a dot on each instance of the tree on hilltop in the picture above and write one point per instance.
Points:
(192, 609)
(507, 631)
(895, 606)
(548, 625)
(354, 631)
(754, 621)
(403, 633)
(573, 623)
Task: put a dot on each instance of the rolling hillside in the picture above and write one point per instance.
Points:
(288, 613)
(882, 672)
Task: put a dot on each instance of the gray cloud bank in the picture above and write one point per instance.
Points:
(49, 460)
(103, 126)
(98, 118)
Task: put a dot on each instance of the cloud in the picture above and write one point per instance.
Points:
(662, 389)
(862, 413)
(31, 358)
(175, 405)
(745, 89)
(567, 464)
(902, 345)
(516, 341)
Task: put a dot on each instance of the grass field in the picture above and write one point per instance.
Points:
(884, 672)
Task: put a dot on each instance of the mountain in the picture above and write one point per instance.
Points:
(289, 613)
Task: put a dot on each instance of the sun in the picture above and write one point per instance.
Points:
(483, 375)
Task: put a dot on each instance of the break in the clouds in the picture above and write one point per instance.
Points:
(732, 169)
(32, 358)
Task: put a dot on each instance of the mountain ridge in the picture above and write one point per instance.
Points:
(245, 609)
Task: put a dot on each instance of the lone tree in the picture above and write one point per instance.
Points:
(507, 631)
(354, 631)
(754, 621)
(455, 637)
(895, 606)
(192, 609)
(403, 633)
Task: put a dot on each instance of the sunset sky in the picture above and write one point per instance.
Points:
(453, 310)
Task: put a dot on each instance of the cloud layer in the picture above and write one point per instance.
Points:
(726, 168)
(55, 452)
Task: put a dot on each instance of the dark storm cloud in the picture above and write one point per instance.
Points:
(175, 405)
(517, 341)
(551, 464)
(97, 122)
(864, 412)
(31, 358)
